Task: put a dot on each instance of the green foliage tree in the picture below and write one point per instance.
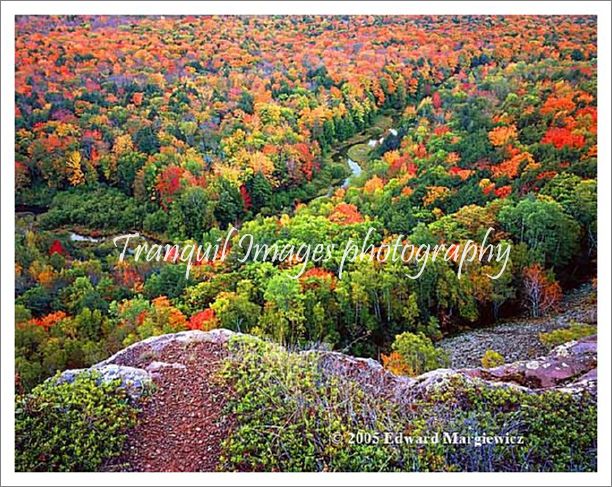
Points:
(418, 353)
(283, 317)
(229, 208)
(578, 197)
(551, 235)
(128, 165)
(260, 191)
(192, 214)
(146, 140)
(170, 281)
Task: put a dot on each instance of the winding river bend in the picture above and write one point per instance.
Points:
(356, 169)
(340, 154)
(355, 172)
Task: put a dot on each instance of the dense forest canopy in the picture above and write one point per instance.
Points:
(178, 127)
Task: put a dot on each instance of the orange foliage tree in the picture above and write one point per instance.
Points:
(542, 293)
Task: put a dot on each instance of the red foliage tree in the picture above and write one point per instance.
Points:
(561, 137)
(168, 183)
(246, 198)
(436, 100)
(57, 248)
(203, 320)
(49, 320)
(503, 191)
(346, 214)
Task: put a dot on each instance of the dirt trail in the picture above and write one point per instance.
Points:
(182, 423)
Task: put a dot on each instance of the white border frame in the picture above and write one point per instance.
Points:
(7, 31)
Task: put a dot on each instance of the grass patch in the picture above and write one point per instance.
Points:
(383, 122)
(359, 153)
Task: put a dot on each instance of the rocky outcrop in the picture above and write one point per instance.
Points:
(571, 367)
(135, 366)
(184, 421)
(156, 344)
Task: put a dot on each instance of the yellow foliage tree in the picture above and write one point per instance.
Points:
(435, 193)
(75, 173)
(123, 144)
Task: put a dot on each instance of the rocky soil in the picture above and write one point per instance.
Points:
(182, 423)
(519, 339)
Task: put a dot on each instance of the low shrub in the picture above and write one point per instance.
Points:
(558, 430)
(491, 359)
(292, 418)
(67, 427)
(291, 415)
(564, 335)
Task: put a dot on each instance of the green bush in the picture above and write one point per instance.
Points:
(491, 359)
(419, 353)
(74, 426)
(291, 417)
(564, 335)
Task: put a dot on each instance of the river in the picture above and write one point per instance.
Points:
(355, 172)
(76, 237)
(355, 168)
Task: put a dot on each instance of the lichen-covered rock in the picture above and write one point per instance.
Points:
(585, 383)
(565, 364)
(134, 380)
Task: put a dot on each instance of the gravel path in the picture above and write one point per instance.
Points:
(518, 339)
(181, 425)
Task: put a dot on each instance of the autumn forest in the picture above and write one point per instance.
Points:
(300, 130)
